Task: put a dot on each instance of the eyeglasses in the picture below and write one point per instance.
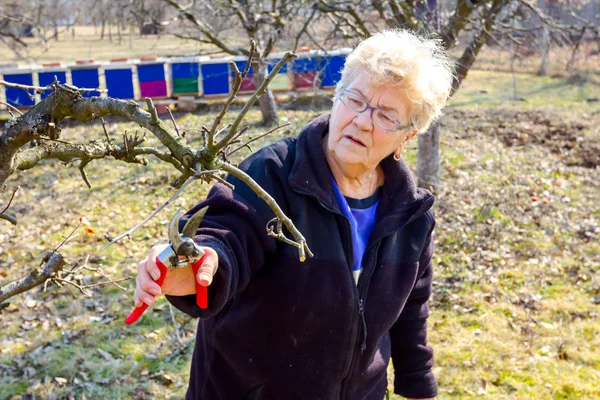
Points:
(358, 104)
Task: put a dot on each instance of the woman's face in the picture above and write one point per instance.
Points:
(354, 141)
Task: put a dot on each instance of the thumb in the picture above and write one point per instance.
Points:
(208, 268)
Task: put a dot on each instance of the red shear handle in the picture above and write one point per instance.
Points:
(201, 291)
(138, 311)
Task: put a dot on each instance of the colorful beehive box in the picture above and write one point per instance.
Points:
(86, 74)
(185, 76)
(307, 70)
(247, 85)
(332, 64)
(281, 81)
(14, 96)
(118, 75)
(215, 77)
(47, 73)
(152, 78)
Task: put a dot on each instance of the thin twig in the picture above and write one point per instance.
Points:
(57, 280)
(159, 209)
(314, 11)
(236, 86)
(125, 145)
(221, 180)
(55, 140)
(256, 138)
(37, 89)
(41, 89)
(78, 267)
(11, 199)
(175, 325)
(11, 107)
(152, 110)
(82, 165)
(105, 131)
(174, 123)
(109, 281)
(67, 238)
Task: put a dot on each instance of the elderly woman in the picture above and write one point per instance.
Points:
(277, 328)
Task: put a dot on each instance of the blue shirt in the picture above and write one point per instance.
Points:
(361, 214)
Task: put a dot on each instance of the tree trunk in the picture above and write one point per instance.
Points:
(109, 33)
(267, 104)
(428, 164)
(102, 31)
(119, 32)
(545, 47)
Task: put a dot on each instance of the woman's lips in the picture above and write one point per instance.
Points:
(355, 141)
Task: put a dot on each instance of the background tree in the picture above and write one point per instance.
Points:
(46, 19)
(265, 22)
(147, 12)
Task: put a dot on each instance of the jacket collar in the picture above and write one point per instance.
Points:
(401, 200)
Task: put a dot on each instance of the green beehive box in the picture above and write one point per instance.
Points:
(185, 85)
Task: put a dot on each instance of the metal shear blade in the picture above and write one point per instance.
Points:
(183, 243)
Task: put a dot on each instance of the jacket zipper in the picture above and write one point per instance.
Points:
(365, 279)
(361, 313)
(354, 336)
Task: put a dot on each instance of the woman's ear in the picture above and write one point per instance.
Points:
(410, 135)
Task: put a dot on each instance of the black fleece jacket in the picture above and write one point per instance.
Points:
(277, 328)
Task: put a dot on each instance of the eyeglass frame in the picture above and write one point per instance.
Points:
(368, 106)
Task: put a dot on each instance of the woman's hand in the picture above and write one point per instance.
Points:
(179, 281)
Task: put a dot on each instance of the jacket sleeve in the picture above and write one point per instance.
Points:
(411, 356)
(235, 227)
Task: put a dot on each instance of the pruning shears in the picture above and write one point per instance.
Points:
(182, 251)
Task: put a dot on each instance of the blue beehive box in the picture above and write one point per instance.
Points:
(333, 63)
(86, 74)
(47, 73)
(14, 96)
(119, 79)
(215, 77)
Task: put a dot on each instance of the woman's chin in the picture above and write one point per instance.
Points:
(350, 158)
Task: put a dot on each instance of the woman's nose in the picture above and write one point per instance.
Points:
(363, 120)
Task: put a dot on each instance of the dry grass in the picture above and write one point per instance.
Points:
(86, 43)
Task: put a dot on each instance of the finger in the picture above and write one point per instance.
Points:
(146, 284)
(151, 267)
(208, 268)
(144, 268)
(142, 297)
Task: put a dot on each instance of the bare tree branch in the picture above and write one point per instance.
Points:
(300, 242)
(51, 263)
(42, 122)
(358, 25)
(286, 57)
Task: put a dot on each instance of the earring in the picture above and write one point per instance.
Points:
(397, 157)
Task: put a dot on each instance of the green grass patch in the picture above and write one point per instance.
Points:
(487, 89)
